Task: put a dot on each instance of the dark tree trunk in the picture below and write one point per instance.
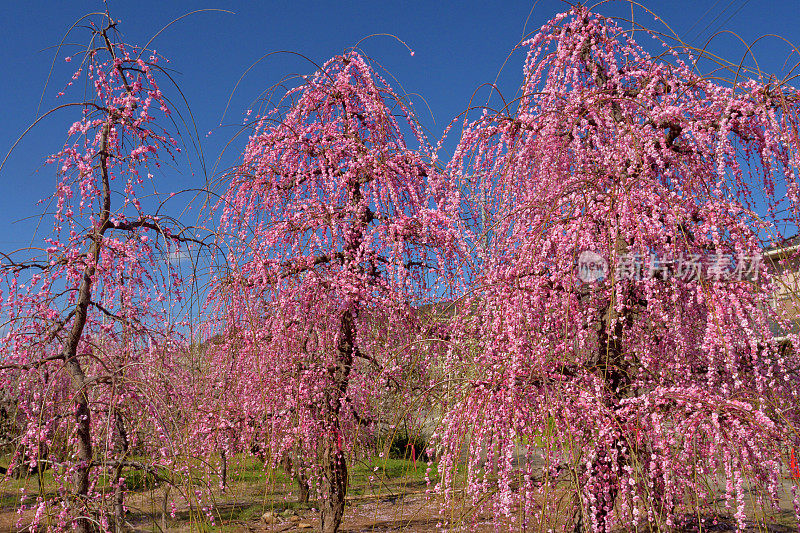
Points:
(333, 485)
(296, 469)
(615, 370)
(302, 485)
(83, 446)
(119, 489)
(164, 511)
(83, 421)
(223, 470)
(119, 501)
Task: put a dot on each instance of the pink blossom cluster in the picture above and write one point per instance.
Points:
(633, 398)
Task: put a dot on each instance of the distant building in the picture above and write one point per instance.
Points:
(783, 259)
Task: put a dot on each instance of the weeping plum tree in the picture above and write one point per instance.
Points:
(88, 329)
(612, 362)
(617, 353)
(335, 224)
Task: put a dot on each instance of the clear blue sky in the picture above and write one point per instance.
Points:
(458, 46)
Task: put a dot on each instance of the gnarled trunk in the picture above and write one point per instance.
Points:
(223, 470)
(119, 489)
(83, 423)
(296, 469)
(83, 444)
(614, 369)
(333, 485)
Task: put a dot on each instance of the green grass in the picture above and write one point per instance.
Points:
(11, 487)
(267, 488)
(252, 490)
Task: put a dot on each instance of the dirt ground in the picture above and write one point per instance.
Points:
(400, 505)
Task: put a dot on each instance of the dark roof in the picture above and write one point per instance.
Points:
(787, 242)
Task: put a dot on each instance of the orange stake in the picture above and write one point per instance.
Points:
(414, 456)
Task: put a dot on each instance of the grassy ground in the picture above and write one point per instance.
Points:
(384, 495)
(252, 491)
